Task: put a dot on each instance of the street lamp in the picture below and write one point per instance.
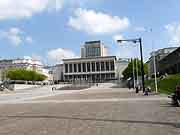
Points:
(138, 40)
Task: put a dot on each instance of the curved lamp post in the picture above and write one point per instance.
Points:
(138, 40)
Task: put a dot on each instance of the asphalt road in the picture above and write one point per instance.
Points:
(96, 111)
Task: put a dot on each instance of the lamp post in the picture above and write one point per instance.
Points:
(134, 82)
(138, 40)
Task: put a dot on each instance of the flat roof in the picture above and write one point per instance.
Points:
(99, 57)
(91, 42)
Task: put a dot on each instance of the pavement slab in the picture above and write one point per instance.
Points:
(106, 111)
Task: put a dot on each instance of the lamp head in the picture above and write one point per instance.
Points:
(119, 41)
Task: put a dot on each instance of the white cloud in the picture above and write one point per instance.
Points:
(29, 39)
(97, 22)
(36, 57)
(15, 36)
(18, 9)
(60, 53)
(118, 37)
(139, 29)
(173, 30)
(124, 49)
(27, 57)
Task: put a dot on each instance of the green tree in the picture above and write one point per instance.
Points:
(128, 72)
(23, 74)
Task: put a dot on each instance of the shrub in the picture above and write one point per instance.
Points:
(26, 75)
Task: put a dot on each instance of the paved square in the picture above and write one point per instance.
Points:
(96, 111)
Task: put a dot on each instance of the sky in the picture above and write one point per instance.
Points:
(52, 30)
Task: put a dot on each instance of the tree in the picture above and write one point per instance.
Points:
(128, 72)
(26, 75)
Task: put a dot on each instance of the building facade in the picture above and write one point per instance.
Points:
(28, 64)
(159, 55)
(120, 66)
(58, 73)
(93, 49)
(93, 69)
(171, 63)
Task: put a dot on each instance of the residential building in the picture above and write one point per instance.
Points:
(159, 55)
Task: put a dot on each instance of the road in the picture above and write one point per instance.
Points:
(96, 111)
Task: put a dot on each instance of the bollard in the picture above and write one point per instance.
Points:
(137, 90)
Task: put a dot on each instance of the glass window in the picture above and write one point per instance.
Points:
(88, 67)
(79, 67)
(70, 68)
(93, 66)
(102, 66)
(97, 66)
(84, 67)
(66, 68)
(107, 65)
(75, 68)
(112, 65)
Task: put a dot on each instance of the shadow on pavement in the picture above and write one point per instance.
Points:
(95, 119)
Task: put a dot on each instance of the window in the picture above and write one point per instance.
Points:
(75, 68)
(88, 67)
(70, 68)
(93, 66)
(66, 68)
(84, 67)
(102, 66)
(107, 65)
(112, 65)
(79, 67)
(97, 66)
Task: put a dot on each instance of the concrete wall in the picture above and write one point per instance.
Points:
(17, 87)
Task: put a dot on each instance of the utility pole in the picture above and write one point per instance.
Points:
(154, 64)
(155, 76)
(133, 73)
(142, 64)
(139, 40)
(137, 79)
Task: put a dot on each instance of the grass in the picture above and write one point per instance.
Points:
(167, 85)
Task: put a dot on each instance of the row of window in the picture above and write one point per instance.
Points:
(91, 77)
(94, 66)
(95, 51)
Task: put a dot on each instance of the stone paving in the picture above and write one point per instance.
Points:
(96, 111)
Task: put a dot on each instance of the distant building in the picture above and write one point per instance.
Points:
(159, 55)
(90, 68)
(171, 63)
(58, 73)
(120, 66)
(94, 64)
(28, 64)
(93, 49)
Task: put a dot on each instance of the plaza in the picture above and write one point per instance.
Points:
(96, 110)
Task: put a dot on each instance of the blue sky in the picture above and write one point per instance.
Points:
(51, 30)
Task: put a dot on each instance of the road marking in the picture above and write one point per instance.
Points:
(89, 100)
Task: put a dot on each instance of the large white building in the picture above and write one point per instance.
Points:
(94, 64)
(90, 69)
(24, 63)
